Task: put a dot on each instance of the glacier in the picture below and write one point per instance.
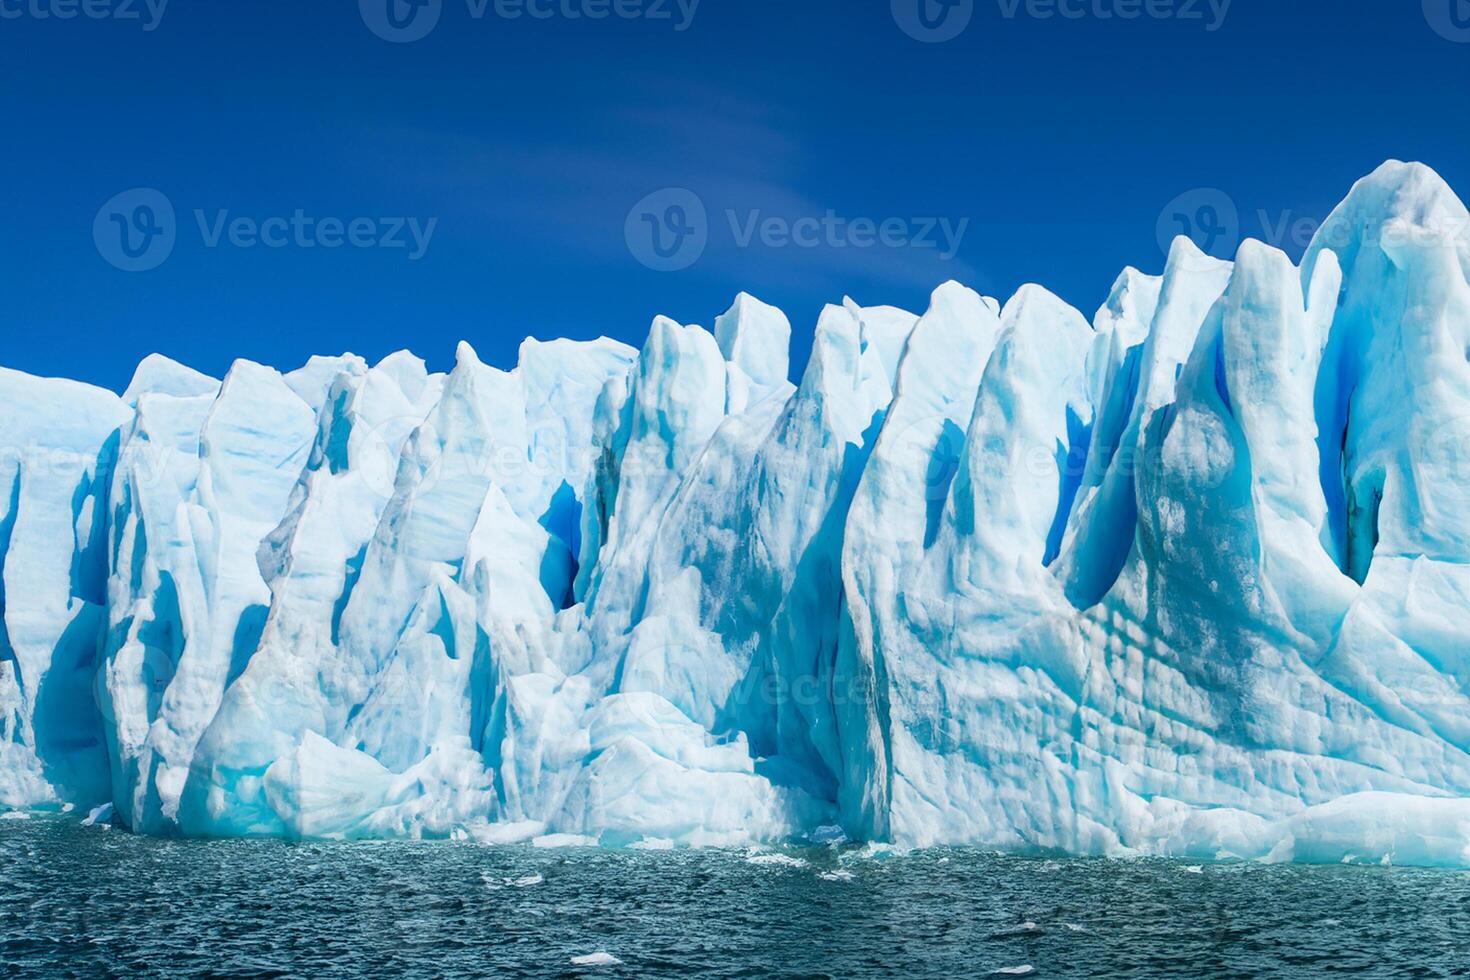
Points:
(1191, 578)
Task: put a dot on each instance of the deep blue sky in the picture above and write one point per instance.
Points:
(1060, 141)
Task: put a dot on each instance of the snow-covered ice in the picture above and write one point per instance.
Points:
(1188, 579)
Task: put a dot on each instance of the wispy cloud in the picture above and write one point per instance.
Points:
(570, 191)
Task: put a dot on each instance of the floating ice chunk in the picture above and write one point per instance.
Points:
(98, 815)
(829, 834)
(1021, 929)
(508, 833)
(652, 844)
(596, 959)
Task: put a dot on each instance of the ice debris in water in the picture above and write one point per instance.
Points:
(596, 959)
(830, 834)
(524, 881)
(1022, 929)
(98, 815)
(1186, 579)
(776, 859)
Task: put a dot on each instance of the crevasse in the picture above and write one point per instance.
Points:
(1191, 579)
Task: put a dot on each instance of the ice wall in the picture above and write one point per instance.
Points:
(1188, 579)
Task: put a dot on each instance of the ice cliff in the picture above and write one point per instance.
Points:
(1190, 579)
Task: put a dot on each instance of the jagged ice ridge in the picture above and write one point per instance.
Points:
(1192, 579)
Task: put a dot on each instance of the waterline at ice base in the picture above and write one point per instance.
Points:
(1192, 579)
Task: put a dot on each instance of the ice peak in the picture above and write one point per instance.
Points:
(244, 372)
(465, 357)
(950, 293)
(756, 337)
(312, 381)
(1398, 205)
(1130, 307)
(1033, 302)
(161, 375)
(406, 371)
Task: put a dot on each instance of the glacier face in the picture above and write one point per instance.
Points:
(1190, 579)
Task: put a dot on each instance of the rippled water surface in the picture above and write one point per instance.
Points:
(78, 901)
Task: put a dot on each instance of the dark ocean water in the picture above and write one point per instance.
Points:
(80, 901)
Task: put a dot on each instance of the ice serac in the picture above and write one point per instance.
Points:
(755, 339)
(428, 544)
(1191, 579)
(203, 479)
(58, 444)
(894, 521)
(311, 560)
(972, 626)
(642, 668)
